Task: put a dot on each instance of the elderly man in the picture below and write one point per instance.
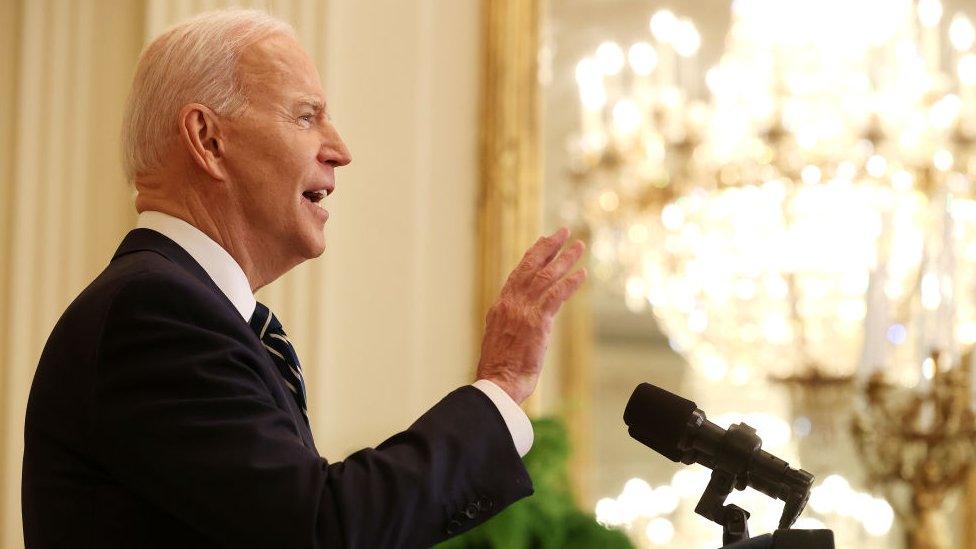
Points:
(168, 408)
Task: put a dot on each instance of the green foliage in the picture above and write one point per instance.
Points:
(549, 518)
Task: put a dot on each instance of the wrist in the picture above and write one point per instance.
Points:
(516, 391)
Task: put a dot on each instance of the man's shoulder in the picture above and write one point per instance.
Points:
(137, 293)
(141, 281)
(143, 273)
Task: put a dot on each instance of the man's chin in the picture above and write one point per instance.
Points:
(315, 246)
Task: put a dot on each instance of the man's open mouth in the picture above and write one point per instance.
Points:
(313, 196)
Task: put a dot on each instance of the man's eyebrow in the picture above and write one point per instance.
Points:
(310, 101)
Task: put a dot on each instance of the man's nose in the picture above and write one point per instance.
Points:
(334, 149)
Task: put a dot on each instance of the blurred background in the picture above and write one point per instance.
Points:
(779, 202)
(777, 196)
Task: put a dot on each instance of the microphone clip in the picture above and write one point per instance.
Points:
(731, 517)
(735, 466)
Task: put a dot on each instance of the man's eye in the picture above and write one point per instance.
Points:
(307, 118)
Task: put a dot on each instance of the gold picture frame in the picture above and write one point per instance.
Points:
(509, 195)
(510, 203)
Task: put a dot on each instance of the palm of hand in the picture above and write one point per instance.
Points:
(519, 325)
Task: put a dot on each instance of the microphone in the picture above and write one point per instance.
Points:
(677, 429)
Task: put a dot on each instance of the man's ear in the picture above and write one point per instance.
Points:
(200, 133)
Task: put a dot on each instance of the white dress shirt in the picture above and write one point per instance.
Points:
(230, 278)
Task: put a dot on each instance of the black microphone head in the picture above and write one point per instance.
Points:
(658, 419)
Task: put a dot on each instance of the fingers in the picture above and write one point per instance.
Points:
(558, 267)
(542, 252)
(562, 290)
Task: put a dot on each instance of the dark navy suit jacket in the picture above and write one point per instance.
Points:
(157, 419)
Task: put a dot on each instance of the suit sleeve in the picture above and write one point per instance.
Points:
(183, 417)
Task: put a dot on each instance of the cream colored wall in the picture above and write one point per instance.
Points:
(66, 202)
(383, 321)
(402, 80)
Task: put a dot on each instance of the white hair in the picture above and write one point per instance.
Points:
(191, 62)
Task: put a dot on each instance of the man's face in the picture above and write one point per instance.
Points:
(281, 152)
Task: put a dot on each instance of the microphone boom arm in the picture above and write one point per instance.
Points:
(734, 465)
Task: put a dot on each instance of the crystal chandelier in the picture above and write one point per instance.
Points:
(808, 212)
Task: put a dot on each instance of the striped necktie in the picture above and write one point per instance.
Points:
(272, 335)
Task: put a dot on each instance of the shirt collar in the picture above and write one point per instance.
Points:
(225, 272)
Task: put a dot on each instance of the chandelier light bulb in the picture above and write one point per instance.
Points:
(689, 482)
(943, 160)
(626, 117)
(776, 330)
(672, 217)
(961, 32)
(966, 333)
(878, 517)
(876, 166)
(638, 233)
(666, 499)
(716, 81)
(714, 368)
(663, 26)
(610, 58)
(945, 111)
(589, 78)
(608, 512)
(686, 39)
(660, 531)
(810, 175)
(587, 72)
(636, 492)
(609, 201)
(698, 321)
(902, 180)
(642, 58)
(846, 171)
(636, 289)
(931, 296)
(593, 97)
(966, 70)
(929, 12)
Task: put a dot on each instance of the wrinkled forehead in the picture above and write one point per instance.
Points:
(276, 69)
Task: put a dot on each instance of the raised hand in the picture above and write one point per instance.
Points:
(519, 324)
